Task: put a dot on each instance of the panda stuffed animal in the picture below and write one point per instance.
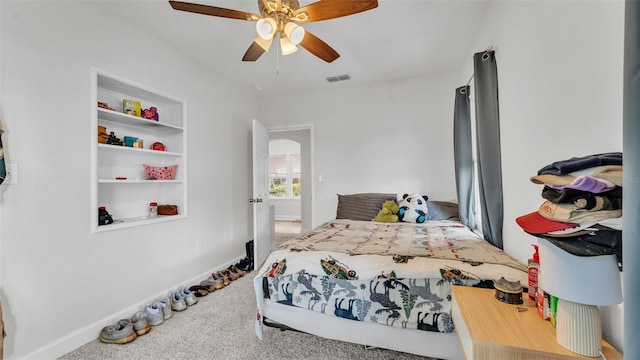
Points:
(413, 208)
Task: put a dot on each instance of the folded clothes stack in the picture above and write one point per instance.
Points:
(582, 207)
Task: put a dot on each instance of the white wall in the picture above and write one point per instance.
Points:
(386, 137)
(58, 280)
(560, 87)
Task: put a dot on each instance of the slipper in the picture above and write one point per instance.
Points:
(199, 290)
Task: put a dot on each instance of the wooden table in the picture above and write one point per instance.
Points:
(490, 329)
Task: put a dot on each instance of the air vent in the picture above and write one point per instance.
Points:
(338, 78)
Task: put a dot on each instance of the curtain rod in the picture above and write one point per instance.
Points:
(471, 78)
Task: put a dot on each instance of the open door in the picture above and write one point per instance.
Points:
(263, 241)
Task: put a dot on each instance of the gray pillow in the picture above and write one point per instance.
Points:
(443, 210)
(362, 207)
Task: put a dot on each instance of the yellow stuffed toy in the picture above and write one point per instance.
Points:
(388, 212)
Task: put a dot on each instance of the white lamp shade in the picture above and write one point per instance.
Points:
(266, 27)
(294, 32)
(287, 47)
(593, 280)
(581, 283)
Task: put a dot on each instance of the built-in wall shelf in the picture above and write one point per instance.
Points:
(118, 176)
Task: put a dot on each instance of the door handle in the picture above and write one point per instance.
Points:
(255, 200)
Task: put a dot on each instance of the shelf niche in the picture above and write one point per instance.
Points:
(118, 177)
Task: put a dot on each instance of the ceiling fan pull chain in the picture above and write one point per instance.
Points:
(278, 58)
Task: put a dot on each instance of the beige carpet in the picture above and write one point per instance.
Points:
(222, 326)
(286, 230)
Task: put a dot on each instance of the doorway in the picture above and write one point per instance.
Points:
(302, 220)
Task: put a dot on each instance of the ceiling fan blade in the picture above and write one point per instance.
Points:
(258, 47)
(319, 48)
(331, 9)
(213, 11)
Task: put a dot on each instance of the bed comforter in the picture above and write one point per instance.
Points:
(395, 274)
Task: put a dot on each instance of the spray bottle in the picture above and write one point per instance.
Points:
(532, 269)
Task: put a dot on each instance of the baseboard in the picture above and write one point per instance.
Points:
(90, 332)
(288, 218)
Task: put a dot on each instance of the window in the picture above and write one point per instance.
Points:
(284, 175)
(278, 174)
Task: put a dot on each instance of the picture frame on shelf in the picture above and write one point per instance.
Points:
(131, 107)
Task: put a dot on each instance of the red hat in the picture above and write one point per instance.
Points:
(534, 223)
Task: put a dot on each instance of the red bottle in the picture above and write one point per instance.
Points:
(532, 269)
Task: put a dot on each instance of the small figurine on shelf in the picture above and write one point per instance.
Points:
(104, 105)
(102, 135)
(113, 140)
(151, 113)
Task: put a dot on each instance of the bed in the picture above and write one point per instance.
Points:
(385, 285)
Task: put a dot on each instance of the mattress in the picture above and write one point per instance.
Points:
(380, 275)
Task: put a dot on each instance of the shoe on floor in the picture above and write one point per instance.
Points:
(233, 276)
(220, 277)
(154, 313)
(120, 333)
(225, 279)
(188, 296)
(177, 302)
(140, 323)
(211, 284)
(200, 290)
(245, 264)
(165, 303)
(219, 281)
(237, 270)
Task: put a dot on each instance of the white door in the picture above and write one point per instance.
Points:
(262, 223)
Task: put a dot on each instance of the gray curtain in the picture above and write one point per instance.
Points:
(631, 194)
(485, 74)
(463, 156)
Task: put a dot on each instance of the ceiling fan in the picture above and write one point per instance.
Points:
(280, 17)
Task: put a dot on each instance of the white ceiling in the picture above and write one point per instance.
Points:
(397, 40)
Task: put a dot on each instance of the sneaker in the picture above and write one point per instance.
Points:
(188, 296)
(166, 308)
(223, 277)
(177, 302)
(212, 283)
(120, 333)
(154, 313)
(140, 324)
(235, 269)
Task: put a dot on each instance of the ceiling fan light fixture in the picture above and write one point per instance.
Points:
(264, 44)
(294, 32)
(266, 27)
(287, 46)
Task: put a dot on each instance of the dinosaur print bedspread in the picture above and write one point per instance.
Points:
(391, 274)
